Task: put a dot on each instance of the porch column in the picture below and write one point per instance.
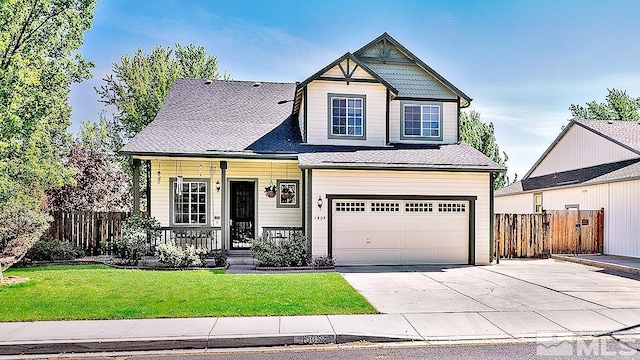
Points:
(224, 223)
(148, 192)
(136, 186)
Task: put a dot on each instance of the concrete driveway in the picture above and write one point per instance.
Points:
(512, 286)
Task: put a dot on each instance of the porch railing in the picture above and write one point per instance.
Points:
(209, 238)
(275, 234)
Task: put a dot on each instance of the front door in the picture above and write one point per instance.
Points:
(242, 214)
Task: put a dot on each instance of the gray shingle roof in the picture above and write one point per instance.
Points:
(610, 172)
(225, 116)
(446, 157)
(626, 133)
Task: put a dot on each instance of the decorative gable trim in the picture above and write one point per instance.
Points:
(385, 50)
(348, 73)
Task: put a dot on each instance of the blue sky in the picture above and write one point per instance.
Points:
(523, 62)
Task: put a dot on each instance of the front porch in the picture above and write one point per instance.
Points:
(210, 238)
(223, 204)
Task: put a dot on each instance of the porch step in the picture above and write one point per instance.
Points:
(241, 260)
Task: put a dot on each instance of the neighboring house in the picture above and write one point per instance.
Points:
(365, 157)
(591, 165)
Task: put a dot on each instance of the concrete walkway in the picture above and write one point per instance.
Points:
(610, 262)
(514, 301)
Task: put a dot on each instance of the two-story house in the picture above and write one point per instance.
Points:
(364, 158)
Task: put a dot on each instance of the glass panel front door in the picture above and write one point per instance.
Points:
(242, 214)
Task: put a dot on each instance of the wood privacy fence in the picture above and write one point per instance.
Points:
(553, 232)
(91, 231)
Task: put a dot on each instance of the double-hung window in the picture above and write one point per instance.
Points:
(347, 116)
(421, 121)
(189, 202)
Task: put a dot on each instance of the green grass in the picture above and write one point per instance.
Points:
(99, 292)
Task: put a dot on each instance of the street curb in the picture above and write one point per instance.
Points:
(601, 264)
(150, 344)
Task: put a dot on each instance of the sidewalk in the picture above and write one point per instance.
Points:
(610, 262)
(52, 337)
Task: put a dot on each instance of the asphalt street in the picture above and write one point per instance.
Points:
(598, 348)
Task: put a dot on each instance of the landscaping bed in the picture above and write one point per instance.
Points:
(73, 292)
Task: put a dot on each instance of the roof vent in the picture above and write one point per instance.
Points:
(256, 84)
(609, 121)
(208, 82)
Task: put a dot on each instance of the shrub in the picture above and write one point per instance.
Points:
(21, 226)
(323, 261)
(136, 234)
(286, 252)
(174, 256)
(54, 251)
(220, 257)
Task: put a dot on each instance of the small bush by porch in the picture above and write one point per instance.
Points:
(99, 292)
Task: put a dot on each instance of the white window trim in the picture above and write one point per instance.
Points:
(347, 97)
(172, 190)
(420, 104)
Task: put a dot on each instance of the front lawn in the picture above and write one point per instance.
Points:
(99, 292)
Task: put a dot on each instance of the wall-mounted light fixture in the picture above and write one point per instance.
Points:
(319, 202)
(218, 185)
(159, 173)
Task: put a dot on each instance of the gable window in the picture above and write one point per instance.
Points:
(189, 204)
(421, 121)
(347, 116)
(537, 203)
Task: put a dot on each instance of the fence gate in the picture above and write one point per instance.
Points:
(552, 232)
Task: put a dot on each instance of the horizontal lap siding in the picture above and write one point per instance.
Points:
(317, 112)
(401, 183)
(449, 123)
(268, 214)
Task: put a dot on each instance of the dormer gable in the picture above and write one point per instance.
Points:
(378, 96)
(406, 72)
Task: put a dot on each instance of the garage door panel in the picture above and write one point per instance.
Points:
(350, 223)
(425, 222)
(350, 257)
(418, 240)
(384, 240)
(383, 223)
(418, 256)
(385, 256)
(451, 255)
(401, 232)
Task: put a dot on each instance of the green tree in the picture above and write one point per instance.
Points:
(38, 64)
(481, 136)
(139, 85)
(140, 82)
(617, 106)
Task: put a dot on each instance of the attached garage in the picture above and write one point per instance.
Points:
(419, 230)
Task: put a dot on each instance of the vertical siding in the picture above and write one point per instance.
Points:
(622, 220)
(620, 200)
(317, 112)
(449, 124)
(592, 197)
(581, 148)
(514, 204)
(268, 213)
(401, 183)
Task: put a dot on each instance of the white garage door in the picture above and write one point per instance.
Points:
(376, 232)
